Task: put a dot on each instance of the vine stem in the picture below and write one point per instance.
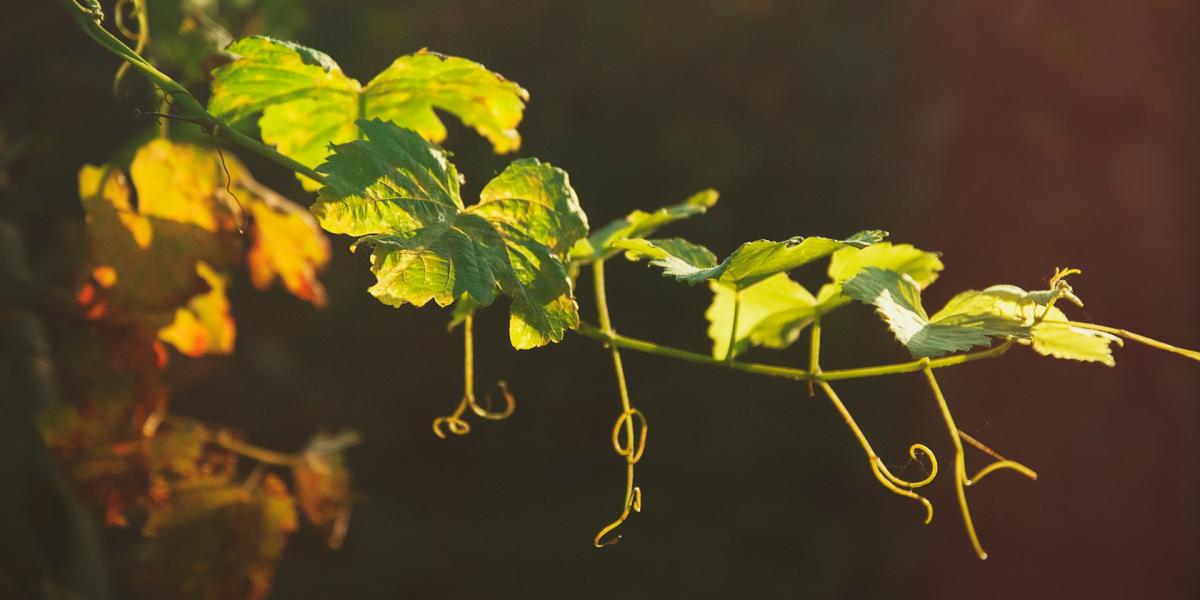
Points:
(230, 442)
(90, 24)
(639, 345)
(1141, 339)
(737, 309)
(468, 326)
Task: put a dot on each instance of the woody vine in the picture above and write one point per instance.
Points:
(370, 152)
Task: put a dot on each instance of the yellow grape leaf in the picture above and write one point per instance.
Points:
(203, 325)
(288, 244)
(185, 183)
(165, 261)
(148, 263)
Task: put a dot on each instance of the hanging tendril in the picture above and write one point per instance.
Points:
(632, 444)
(885, 477)
(891, 482)
(454, 421)
(960, 468)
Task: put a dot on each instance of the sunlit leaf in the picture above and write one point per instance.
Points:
(677, 257)
(639, 224)
(774, 320)
(288, 244)
(401, 194)
(306, 103)
(773, 298)
(203, 325)
(750, 263)
(1050, 335)
(165, 260)
(151, 261)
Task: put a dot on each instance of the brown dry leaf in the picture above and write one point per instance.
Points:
(323, 484)
(218, 540)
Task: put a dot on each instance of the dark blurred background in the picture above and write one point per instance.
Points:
(1013, 136)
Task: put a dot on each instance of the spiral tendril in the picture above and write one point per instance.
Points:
(454, 421)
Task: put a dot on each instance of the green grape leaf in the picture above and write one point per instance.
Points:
(1050, 334)
(400, 195)
(639, 224)
(751, 263)
(772, 298)
(678, 258)
(964, 323)
(774, 311)
(1060, 340)
(307, 103)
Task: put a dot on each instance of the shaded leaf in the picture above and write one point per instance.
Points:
(217, 540)
(639, 224)
(306, 103)
(323, 484)
(750, 263)
(401, 194)
(964, 323)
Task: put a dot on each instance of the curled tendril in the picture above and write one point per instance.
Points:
(632, 455)
(459, 426)
(914, 452)
(893, 483)
(453, 422)
(510, 404)
(137, 10)
(881, 473)
(631, 445)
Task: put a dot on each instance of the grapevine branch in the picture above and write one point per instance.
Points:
(628, 437)
(88, 18)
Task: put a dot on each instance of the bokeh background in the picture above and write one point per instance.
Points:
(1013, 136)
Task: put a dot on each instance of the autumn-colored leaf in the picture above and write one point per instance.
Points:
(218, 540)
(323, 484)
(148, 262)
(288, 244)
(203, 325)
(165, 262)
